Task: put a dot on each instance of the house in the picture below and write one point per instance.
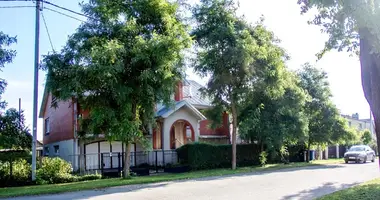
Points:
(361, 124)
(176, 126)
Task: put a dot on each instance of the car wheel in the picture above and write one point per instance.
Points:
(346, 161)
(373, 158)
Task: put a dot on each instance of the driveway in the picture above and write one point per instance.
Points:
(297, 183)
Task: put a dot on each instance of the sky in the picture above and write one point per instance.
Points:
(302, 42)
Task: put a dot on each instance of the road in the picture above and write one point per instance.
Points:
(298, 183)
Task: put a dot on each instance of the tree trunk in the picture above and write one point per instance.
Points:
(234, 127)
(127, 160)
(308, 152)
(370, 71)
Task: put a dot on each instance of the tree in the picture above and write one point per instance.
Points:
(233, 53)
(366, 137)
(325, 125)
(352, 25)
(6, 56)
(275, 119)
(13, 132)
(119, 64)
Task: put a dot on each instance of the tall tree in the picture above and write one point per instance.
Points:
(352, 25)
(325, 125)
(366, 137)
(119, 64)
(6, 56)
(234, 53)
(13, 132)
(275, 119)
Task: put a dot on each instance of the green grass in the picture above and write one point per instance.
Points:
(329, 161)
(366, 191)
(104, 183)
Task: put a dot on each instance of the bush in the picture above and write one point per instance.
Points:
(54, 170)
(208, 156)
(263, 158)
(89, 177)
(21, 173)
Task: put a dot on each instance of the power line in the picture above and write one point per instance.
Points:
(63, 14)
(17, 6)
(63, 8)
(47, 31)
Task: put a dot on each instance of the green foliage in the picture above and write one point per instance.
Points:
(208, 156)
(276, 118)
(21, 173)
(119, 64)
(13, 132)
(54, 170)
(89, 177)
(263, 158)
(325, 124)
(6, 56)
(236, 55)
(367, 137)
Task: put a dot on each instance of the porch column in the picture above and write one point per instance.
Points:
(327, 153)
(81, 156)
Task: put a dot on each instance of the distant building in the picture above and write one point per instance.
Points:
(360, 124)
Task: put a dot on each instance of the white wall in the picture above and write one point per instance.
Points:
(184, 114)
(65, 150)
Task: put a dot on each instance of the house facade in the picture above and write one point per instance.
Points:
(175, 126)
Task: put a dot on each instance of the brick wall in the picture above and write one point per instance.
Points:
(223, 130)
(60, 120)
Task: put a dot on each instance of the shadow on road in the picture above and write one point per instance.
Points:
(313, 193)
(269, 171)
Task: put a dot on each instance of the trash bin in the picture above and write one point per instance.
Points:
(311, 155)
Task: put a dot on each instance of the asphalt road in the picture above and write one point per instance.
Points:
(298, 183)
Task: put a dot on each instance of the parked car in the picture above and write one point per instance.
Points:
(360, 153)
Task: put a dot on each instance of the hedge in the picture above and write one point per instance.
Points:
(210, 156)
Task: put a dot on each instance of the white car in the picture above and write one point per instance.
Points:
(360, 153)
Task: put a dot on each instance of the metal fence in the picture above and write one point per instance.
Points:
(114, 161)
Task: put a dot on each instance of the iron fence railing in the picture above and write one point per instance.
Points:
(154, 160)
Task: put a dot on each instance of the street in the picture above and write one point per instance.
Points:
(297, 183)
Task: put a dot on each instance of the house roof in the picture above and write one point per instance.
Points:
(165, 111)
(192, 93)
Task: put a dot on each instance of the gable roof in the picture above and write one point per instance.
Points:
(165, 111)
(192, 94)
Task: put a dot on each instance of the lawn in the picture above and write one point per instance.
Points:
(366, 191)
(104, 183)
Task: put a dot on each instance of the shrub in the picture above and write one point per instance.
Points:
(89, 177)
(263, 158)
(54, 170)
(209, 156)
(21, 173)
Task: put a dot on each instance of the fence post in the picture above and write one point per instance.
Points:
(118, 159)
(156, 162)
(101, 160)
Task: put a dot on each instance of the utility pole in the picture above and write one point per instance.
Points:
(35, 94)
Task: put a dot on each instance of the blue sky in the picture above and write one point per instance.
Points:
(302, 42)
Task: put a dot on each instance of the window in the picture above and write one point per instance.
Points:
(46, 151)
(47, 126)
(189, 137)
(56, 149)
(157, 137)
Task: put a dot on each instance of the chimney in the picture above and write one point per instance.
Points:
(178, 96)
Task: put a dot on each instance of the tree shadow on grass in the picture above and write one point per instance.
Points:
(313, 193)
